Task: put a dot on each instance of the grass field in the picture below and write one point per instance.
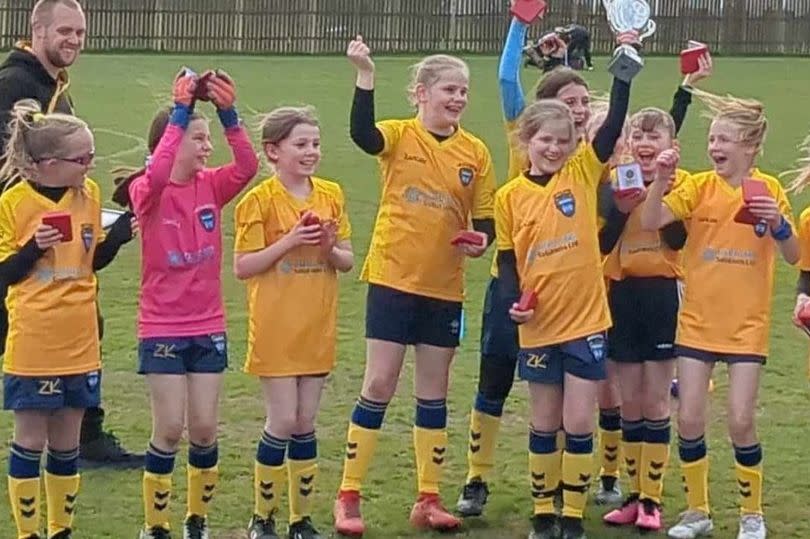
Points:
(118, 95)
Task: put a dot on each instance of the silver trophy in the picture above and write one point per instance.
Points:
(623, 16)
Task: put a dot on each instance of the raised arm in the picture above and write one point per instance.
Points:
(680, 105)
(683, 97)
(604, 142)
(230, 179)
(145, 194)
(654, 213)
(512, 99)
(362, 127)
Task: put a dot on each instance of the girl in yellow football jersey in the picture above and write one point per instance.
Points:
(51, 243)
(644, 270)
(548, 255)
(436, 179)
(292, 239)
(740, 219)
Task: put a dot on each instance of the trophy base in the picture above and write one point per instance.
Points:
(625, 64)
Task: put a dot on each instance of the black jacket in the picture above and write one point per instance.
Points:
(23, 76)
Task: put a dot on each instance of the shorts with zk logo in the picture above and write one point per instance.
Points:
(584, 358)
(51, 392)
(181, 355)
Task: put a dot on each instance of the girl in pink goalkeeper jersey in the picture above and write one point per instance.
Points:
(181, 321)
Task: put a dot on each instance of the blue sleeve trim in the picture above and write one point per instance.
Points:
(228, 117)
(181, 115)
(512, 99)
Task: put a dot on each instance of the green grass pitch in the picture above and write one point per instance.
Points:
(118, 95)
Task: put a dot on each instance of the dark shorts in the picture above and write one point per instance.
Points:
(499, 334)
(51, 392)
(713, 357)
(584, 358)
(182, 355)
(405, 318)
(645, 318)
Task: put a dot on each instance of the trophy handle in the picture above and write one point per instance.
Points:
(650, 30)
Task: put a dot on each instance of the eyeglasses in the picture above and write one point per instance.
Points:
(83, 160)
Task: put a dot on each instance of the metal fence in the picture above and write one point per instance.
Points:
(405, 26)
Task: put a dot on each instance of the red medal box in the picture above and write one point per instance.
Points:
(528, 11)
(750, 189)
(310, 218)
(691, 55)
(60, 220)
(528, 301)
(466, 237)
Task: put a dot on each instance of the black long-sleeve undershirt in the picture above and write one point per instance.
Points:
(120, 233)
(680, 105)
(362, 126)
(611, 129)
(508, 274)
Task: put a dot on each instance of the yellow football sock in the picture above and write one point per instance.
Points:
(654, 459)
(268, 484)
(202, 482)
(481, 451)
(696, 484)
(24, 497)
(360, 446)
(157, 493)
(749, 480)
(301, 475)
(609, 452)
(576, 479)
(430, 446)
(60, 494)
(544, 473)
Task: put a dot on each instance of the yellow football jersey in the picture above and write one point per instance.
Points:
(553, 231)
(292, 307)
(53, 328)
(729, 266)
(518, 160)
(804, 238)
(430, 191)
(642, 253)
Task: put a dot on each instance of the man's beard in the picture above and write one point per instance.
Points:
(56, 60)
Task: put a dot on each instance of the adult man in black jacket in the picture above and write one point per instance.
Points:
(38, 70)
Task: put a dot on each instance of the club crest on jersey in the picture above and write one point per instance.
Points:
(465, 175)
(566, 203)
(87, 236)
(597, 345)
(208, 219)
(760, 228)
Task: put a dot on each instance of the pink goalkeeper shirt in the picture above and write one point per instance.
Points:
(181, 238)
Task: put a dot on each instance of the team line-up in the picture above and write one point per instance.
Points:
(584, 270)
